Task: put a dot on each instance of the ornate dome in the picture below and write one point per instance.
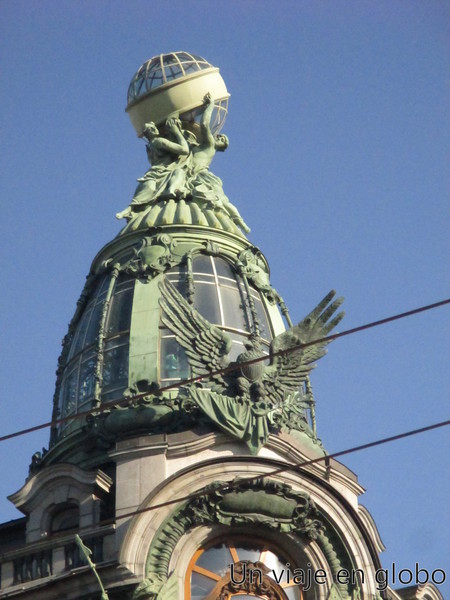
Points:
(119, 343)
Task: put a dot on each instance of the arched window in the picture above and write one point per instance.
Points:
(98, 349)
(221, 296)
(65, 517)
(241, 569)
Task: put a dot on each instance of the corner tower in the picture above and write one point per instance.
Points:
(183, 416)
(177, 304)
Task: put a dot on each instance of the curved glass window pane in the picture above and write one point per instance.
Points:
(184, 56)
(69, 393)
(78, 385)
(80, 334)
(152, 67)
(229, 283)
(200, 59)
(205, 277)
(233, 310)
(174, 363)
(190, 67)
(276, 566)
(115, 366)
(140, 83)
(86, 384)
(249, 553)
(169, 59)
(262, 319)
(87, 327)
(216, 559)
(202, 264)
(220, 296)
(214, 565)
(224, 269)
(170, 64)
(292, 593)
(206, 302)
(201, 586)
(94, 325)
(173, 72)
(119, 317)
(154, 82)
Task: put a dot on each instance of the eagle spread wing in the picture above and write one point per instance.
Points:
(288, 370)
(206, 345)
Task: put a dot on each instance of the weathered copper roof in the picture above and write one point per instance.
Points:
(181, 212)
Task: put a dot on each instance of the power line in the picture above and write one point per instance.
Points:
(119, 403)
(328, 338)
(291, 467)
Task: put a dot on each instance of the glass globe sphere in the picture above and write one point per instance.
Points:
(175, 84)
(162, 69)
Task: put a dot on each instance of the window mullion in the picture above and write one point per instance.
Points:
(219, 295)
(98, 369)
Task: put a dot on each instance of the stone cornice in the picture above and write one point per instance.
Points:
(25, 498)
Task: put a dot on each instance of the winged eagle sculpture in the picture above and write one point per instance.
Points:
(242, 397)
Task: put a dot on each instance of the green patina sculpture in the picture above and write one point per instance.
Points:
(168, 159)
(180, 169)
(245, 401)
(203, 185)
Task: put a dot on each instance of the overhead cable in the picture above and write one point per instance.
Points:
(296, 467)
(130, 400)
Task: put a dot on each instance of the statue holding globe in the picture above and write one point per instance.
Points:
(181, 119)
(203, 185)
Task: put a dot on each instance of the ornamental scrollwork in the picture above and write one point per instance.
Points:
(263, 502)
(244, 502)
(153, 256)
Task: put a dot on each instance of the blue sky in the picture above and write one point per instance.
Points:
(338, 161)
